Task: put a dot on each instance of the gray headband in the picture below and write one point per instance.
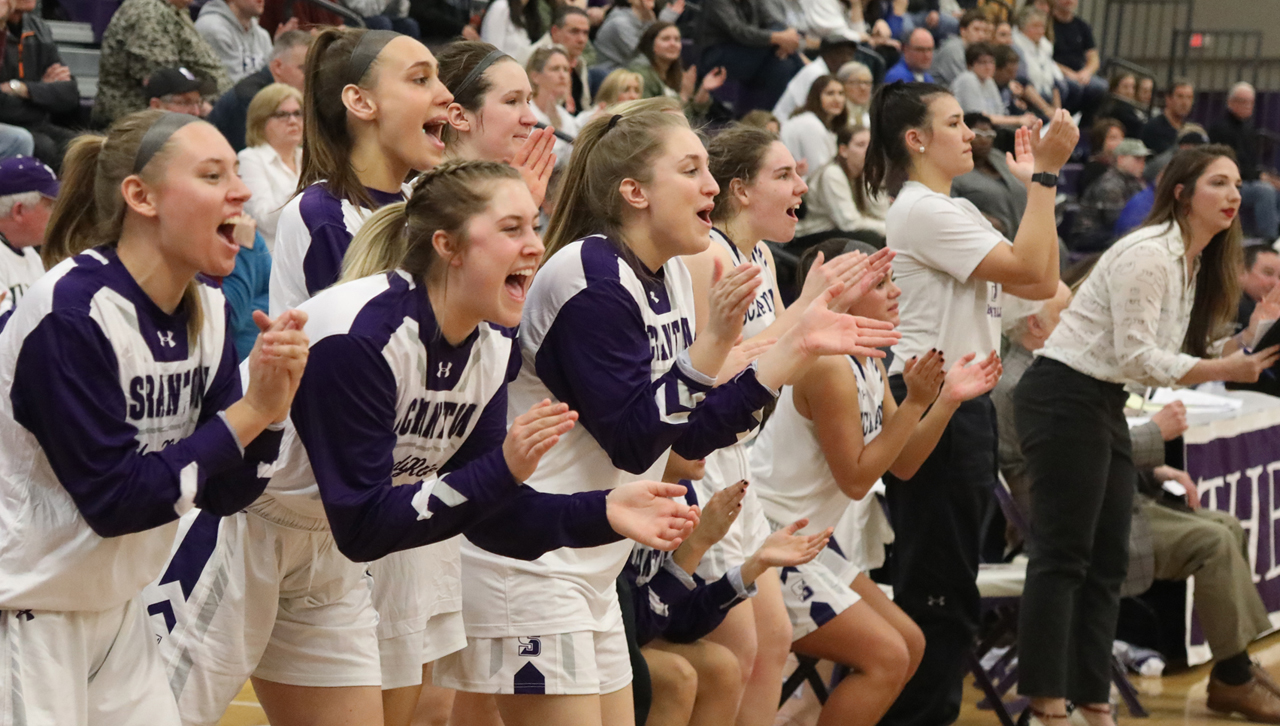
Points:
(855, 245)
(493, 57)
(366, 52)
(158, 135)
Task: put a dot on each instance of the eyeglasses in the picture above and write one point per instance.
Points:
(986, 134)
(859, 84)
(174, 102)
(286, 115)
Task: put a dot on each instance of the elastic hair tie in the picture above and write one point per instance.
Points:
(366, 52)
(493, 57)
(613, 122)
(156, 136)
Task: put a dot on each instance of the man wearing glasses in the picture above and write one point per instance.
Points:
(177, 90)
(917, 57)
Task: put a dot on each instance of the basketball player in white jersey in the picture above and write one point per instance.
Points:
(375, 113)
(831, 437)
(759, 193)
(609, 330)
(122, 410)
(398, 439)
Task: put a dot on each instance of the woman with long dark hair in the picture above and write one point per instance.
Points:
(952, 266)
(1149, 314)
(618, 41)
(663, 72)
(513, 25)
(810, 133)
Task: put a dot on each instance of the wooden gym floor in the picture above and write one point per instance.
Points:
(1176, 700)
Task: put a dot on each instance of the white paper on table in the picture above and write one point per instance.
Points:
(1196, 400)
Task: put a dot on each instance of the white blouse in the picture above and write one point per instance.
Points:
(1128, 321)
(830, 17)
(273, 184)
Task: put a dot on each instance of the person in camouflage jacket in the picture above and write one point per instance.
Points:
(145, 36)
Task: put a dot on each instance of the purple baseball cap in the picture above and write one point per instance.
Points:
(22, 174)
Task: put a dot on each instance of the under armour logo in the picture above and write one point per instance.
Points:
(530, 647)
(939, 601)
(442, 370)
(166, 338)
(26, 615)
(654, 296)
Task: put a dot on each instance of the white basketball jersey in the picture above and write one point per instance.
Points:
(788, 466)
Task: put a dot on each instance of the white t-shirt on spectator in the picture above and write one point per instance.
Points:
(20, 267)
(273, 184)
(939, 241)
(569, 125)
(830, 17)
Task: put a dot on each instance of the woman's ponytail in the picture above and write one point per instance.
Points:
(327, 142)
(73, 222)
(379, 246)
(400, 235)
(90, 209)
(895, 109)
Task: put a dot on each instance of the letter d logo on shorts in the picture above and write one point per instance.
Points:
(530, 647)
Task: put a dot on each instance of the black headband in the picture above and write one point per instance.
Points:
(613, 122)
(366, 52)
(493, 57)
(157, 135)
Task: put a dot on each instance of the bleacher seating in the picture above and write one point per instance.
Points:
(81, 54)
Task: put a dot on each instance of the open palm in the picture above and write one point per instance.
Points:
(825, 332)
(644, 511)
(1022, 162)
(785, 548)
(965, 382)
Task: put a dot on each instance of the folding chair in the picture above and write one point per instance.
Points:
(806, 671)
(1000, 586)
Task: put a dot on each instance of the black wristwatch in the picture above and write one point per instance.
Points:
(1045, 178)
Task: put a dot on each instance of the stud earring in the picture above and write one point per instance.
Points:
(921, 149)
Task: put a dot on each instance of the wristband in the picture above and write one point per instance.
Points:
(1044, 178)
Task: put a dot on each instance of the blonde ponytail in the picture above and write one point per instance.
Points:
(399, 236)
(73, 222)
(379, 246)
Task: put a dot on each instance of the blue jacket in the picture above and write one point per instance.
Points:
(246, 290)
(900, 72)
